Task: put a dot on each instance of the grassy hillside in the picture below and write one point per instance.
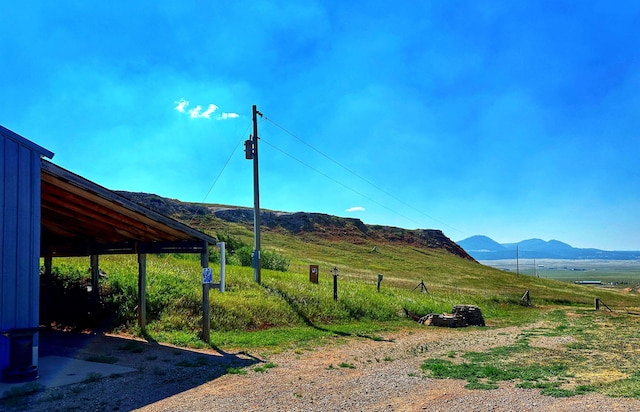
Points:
(286, 306)
(287, 311)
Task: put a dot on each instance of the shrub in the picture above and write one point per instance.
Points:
(268, 259)
(274, 261)
(245, 255)
(231, 244)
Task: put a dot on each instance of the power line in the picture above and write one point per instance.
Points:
(337, 182)
(359, 177)
(220, 173)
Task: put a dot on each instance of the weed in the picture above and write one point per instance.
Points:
(265, 367)
(200, 361)
(132, 347)
(347, 365)
(236, 371)
(102, 359)
(53, 396)
(93, 377)
(15, 396)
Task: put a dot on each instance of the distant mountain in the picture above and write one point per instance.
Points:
(485, 248)
(481, 243)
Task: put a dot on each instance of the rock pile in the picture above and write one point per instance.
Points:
(461, 316)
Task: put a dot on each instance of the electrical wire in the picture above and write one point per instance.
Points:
(219, 174)
(359, 177)
(262, 140)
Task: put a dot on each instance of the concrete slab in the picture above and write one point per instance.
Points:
(56, 371)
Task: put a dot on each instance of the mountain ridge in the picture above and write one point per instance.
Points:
(484, 248)
(299, 223)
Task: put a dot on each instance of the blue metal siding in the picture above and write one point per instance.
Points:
(10, 234)
(20, 239)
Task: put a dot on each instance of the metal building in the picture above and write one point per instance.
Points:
(47, 211)
(19, 253)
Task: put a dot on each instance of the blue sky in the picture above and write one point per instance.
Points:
(508, 119)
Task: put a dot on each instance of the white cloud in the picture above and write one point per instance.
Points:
(181, 105)
(225, 116)
(356, 209)
(207, 113)
(197, 113)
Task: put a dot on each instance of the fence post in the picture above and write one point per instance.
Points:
(335, 283)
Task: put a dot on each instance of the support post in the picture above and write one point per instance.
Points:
(379, 281)
(48, 267)
(95, 273)
(206, 285)
(142, 291)
(46, 294)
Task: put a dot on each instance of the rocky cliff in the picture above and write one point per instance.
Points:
(303, 223)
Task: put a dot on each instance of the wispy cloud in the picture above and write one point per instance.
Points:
(207, 113)
(197, 112)
(225, 116)
(181, 105)
(356, 209)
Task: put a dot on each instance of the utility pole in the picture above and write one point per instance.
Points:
(251, 152)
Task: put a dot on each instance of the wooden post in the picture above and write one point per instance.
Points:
(95, 273)
(48, 265)
(142, 291)
(313, 273)
(597, 302)
(48, 268)
(256, 201)
(379, 281)
(206, 313)
(206, 286)
(335, 284)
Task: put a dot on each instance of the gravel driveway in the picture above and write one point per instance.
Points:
(351, 374)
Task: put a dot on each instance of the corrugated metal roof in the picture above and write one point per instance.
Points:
(81, 218)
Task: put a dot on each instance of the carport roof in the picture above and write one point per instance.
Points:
(81, 218)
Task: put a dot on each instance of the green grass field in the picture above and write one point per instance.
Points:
(287, 311)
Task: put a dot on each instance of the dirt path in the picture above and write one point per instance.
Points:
(363, 374)
(354, 374)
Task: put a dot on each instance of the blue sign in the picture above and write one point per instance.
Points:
(207, 276)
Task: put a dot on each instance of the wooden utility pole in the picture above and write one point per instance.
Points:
(256, 198)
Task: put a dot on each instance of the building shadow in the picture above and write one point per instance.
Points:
(159, 370)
